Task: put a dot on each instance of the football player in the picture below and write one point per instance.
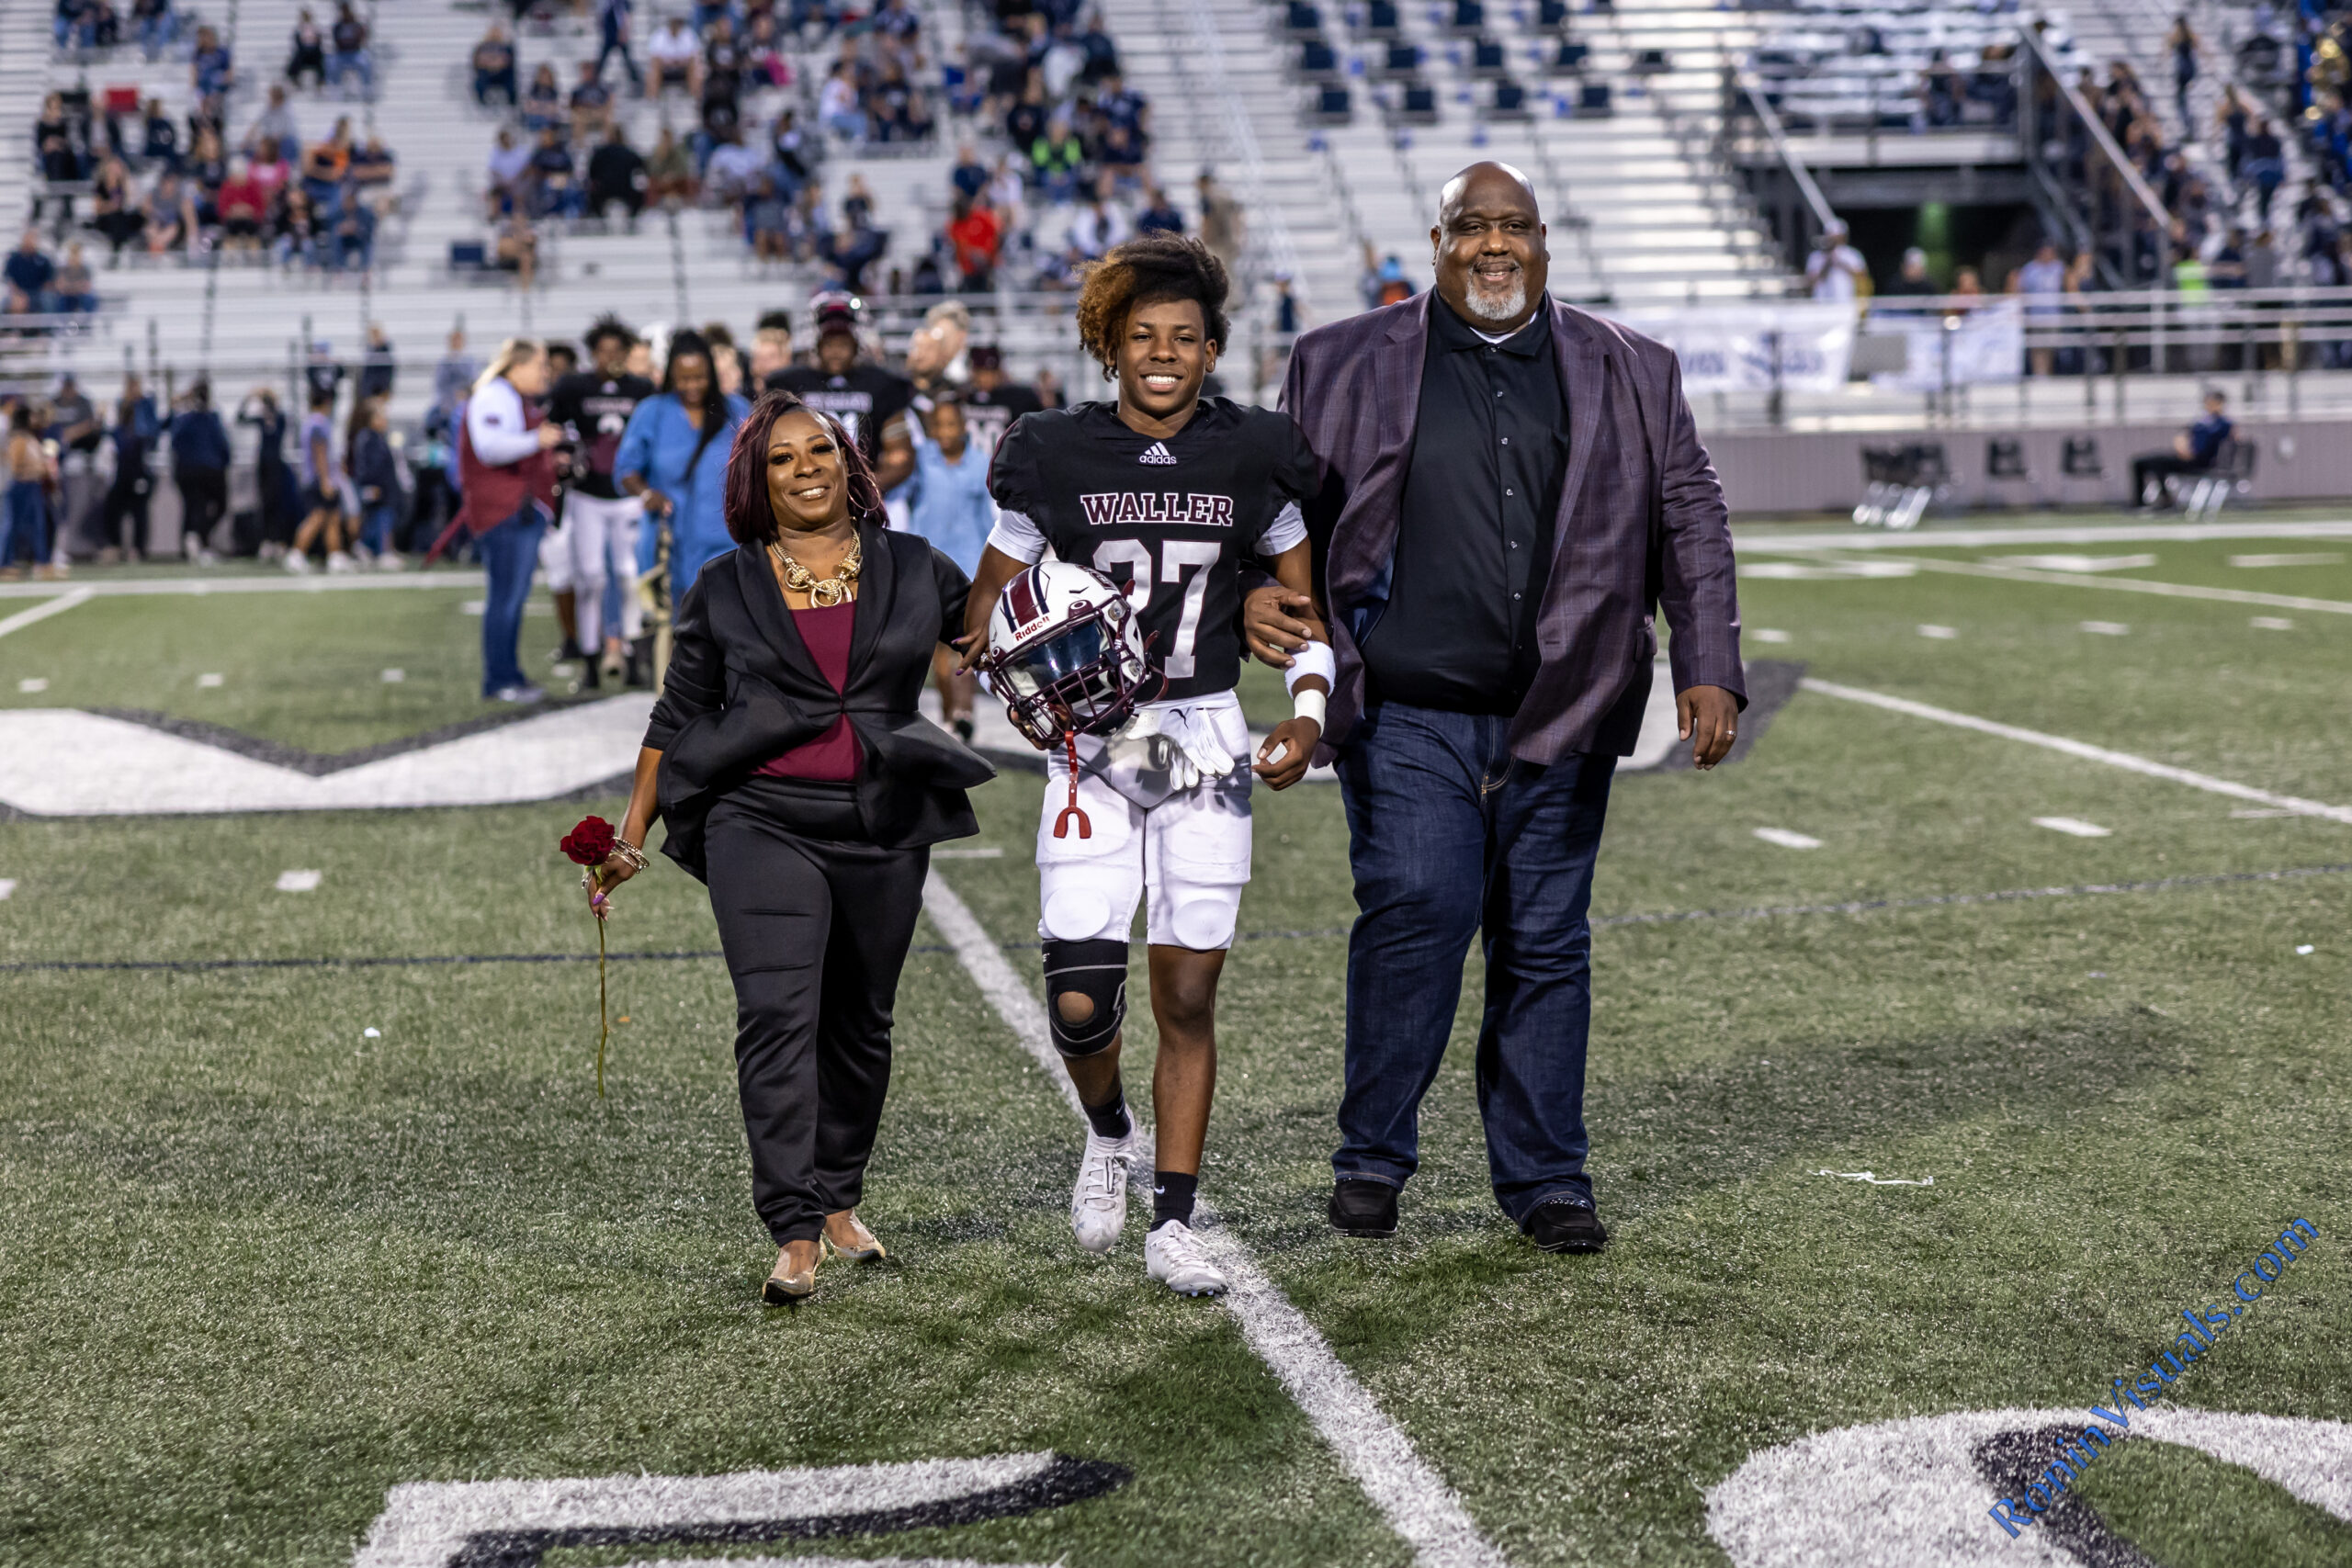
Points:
(1164, 494)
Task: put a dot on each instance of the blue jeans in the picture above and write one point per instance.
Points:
(27, 535)
(510, 553)
(1449, 833)
(376, 529)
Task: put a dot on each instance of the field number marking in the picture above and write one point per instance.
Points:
(1414, 1499)
(2081, 748)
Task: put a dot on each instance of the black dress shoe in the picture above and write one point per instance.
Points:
(1359, 1207)
(1565, 1226)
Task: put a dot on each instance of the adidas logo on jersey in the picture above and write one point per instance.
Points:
(1157, 454)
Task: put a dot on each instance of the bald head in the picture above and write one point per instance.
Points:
(1487, 247)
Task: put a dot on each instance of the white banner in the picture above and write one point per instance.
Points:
(1985, 345)
(1732, 348)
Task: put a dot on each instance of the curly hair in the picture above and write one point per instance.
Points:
(1148, 270)
(749, 518)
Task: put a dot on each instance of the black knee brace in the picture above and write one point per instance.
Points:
(1097, 970)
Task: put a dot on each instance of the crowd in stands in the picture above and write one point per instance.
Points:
(144, 182)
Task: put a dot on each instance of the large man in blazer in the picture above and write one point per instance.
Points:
(1512, 488)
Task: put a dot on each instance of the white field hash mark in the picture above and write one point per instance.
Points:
(297, 881)
(1875, 1179)
(1788, 840)
(1939, 634)
(2073, 826)
(2107, 628)
(2081, 748)
(8, 886)
(1414, 1499)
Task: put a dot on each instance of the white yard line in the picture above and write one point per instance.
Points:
(281, 583)
(2083, 749)
(2133, 585)
(57, 606)
(1752, 542)
(1413, 1498)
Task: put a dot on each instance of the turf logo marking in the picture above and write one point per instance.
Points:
(1414, 1500)
(2067, 1456)
(1899, 1493)
(513, 1523)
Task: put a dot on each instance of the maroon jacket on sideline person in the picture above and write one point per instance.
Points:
(491, 494)
(1641, 526)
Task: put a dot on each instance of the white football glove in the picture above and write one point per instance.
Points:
(1187, 743)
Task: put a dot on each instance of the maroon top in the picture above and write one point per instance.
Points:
(832, 756)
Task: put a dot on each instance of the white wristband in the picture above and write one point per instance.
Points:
(1308, 704)
(1314, 659)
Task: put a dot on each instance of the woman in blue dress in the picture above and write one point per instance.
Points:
(673, 455)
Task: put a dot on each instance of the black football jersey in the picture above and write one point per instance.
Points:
(1168, 520)
(989, 414)
(593, 409)
(865, 398)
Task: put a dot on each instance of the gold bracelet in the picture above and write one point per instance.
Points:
(630, 853)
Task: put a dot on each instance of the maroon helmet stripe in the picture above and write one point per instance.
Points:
(1024, 590)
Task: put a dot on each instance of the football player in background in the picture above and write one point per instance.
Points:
(1164, 495)
(599, 521)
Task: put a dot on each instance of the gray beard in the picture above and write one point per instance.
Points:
(1503, 309)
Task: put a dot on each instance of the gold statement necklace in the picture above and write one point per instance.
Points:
(824, 593)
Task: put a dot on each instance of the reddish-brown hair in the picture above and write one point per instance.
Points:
(750, 519)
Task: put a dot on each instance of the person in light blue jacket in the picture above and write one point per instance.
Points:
(673, 455)
(949, 505)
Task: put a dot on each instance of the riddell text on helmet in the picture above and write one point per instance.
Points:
(1157, 506)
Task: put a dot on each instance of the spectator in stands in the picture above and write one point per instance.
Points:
(243, 207)
(669, 171)
(765, 65)
(206, 169)
(212, 69)
(837, 109)
(616, 176)
(295, 231)
(1025, 121)
(613, 20)
(2042, 281)
(199, 467)
(1912, 281)
(2264, 164)
(324, 165)
(493, 63)
(1056, 159)
(676, 57)
(159, 139)
(1940, 95)
(274, 133)
(2182, 45)
(77, 291)
(349, 54)
(1099, 224)
(857, 244)
(970, 177)
(506, 473)
(373, 167)
(517, 249)
(1834, 270)
(171, 215)
(674, 457)
(2193, 452)
(31, 273)
(795, 157)
(309, 54)
(508, 172)
(767, 221)
(977, 237)
(543, 101)
(115, 210)
(1159, 216)
(554, 183)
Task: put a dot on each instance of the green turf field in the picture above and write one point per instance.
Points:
(263, 1266)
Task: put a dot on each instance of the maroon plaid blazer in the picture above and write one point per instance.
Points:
(1640, 527)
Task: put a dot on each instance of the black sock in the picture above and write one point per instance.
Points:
(1109, 1118)
(1172, 1197)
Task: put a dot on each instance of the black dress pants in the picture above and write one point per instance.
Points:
(204, 496)
(815, 921)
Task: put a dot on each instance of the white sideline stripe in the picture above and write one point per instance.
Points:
(1414, 1499)
(57, 606)
(426, 1523)
(2135, 585)
(282, 582)
(831, 1563)
(2083, 749)
(1749, 543)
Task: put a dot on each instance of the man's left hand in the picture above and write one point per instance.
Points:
(1709, 718)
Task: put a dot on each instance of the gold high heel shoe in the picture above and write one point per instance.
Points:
(863, 1245)
(787, 1284)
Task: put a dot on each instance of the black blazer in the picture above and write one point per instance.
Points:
(743, 687)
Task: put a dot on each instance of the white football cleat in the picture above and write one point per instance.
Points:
(1098, 1204)
(1176, 1256)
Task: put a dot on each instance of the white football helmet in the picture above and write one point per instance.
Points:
(1066, 654)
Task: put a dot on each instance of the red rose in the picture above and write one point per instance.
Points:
(589, 843)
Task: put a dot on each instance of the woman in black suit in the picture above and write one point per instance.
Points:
(799, 780)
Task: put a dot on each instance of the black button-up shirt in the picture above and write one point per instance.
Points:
(1474, 537)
